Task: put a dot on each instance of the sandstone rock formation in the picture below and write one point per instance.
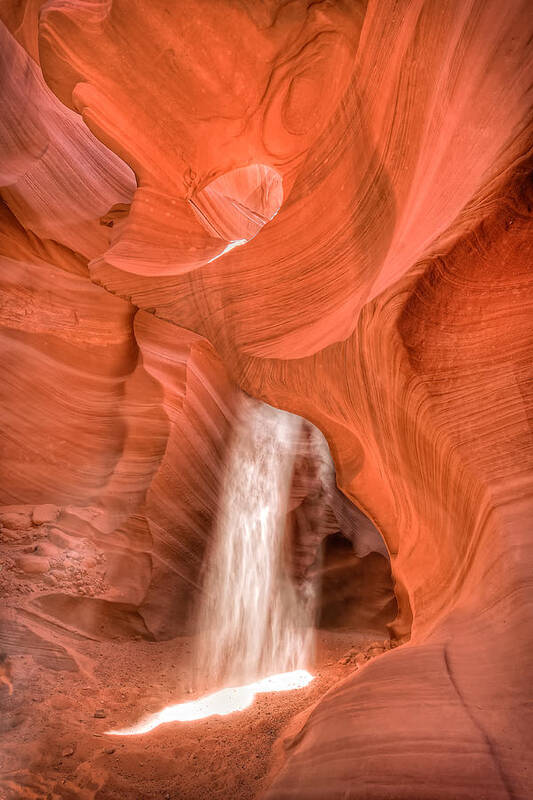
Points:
(370, 270)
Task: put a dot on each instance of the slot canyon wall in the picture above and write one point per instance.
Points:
(325, 205)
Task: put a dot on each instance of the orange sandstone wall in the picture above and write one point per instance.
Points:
(389, 302)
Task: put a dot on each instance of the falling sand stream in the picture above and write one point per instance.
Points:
(256, 625)
(255, 620)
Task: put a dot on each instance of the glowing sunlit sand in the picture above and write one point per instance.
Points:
(226, 701)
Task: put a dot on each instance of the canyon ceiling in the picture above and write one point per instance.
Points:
(328, 206)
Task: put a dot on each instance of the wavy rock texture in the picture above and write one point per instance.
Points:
(124, 416)
(389, 302)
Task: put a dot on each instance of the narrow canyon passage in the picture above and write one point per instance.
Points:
(101, 712)
(266, 336)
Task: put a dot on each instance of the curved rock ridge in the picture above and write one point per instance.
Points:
(49, 160)
(389, 302)
(374, 184)
(260, 108)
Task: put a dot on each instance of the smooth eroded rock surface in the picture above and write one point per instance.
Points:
(382, 289)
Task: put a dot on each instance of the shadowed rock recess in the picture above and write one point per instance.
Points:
(325, 206)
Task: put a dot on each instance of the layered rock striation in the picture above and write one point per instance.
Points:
(382, 290)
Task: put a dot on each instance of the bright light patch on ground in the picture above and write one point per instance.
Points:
(226, 701)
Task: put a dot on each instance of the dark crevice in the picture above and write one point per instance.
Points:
(356, 592)
(505, 781)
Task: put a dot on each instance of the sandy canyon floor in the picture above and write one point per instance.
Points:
(76, 675)
(54, 746)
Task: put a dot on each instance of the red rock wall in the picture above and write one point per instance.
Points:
(389, 302)
(116, 418)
